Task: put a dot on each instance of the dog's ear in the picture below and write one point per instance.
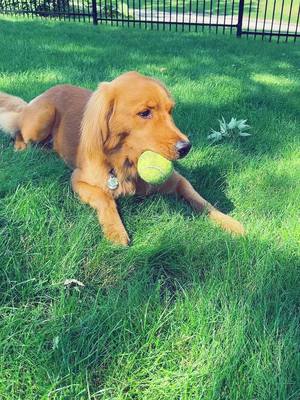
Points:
(95, 122)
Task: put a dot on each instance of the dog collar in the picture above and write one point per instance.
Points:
(112, 181)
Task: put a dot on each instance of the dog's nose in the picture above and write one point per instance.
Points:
(183, 148)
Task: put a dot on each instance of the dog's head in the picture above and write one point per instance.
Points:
(135, 112)
(126, 117)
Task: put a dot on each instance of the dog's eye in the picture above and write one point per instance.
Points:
(146, 114)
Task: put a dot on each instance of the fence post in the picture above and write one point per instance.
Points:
(94, 12)
(240, 19)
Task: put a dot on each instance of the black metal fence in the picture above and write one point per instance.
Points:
(259, 18)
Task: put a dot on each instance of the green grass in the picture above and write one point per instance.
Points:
(186, 312)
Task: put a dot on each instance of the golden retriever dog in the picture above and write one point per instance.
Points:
(101, 135)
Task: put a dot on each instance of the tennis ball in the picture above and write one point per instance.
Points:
(154, 168)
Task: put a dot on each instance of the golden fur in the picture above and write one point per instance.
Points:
(100, 132)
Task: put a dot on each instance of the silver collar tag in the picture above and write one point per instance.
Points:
(112, 182)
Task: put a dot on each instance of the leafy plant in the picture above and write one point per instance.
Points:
(233, 128)
(119, 11)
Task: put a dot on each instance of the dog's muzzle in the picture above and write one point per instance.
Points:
(183, 148)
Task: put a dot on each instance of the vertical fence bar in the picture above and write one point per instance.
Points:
(133, 6)
(176, 26)
(18, 9)
(272, 24)
(190, 16)
(225, 16)
(265, 17)
(69, 17)
(297, 23)
(232, 13)
(289, 21)
(88, 10)
(218, 12)
(116, 12)
(249, 17)
(145, 17)
(10, 10)
(58, 10)
(31, 9)
(140, 14)
(94, 12)
(170, 16)
(100, 11)
(240, 19)
(203, 15)
(257, 13)
(64, 9)
(122, 11)
(281, 14)
(183, 14)
(111, 13)
(197, 11)
(73, 9)
(40, 8)
(78, 10)
(128, 23)
(27, 9)
(210, 13)
(105, 11)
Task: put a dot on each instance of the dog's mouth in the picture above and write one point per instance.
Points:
(176, 152)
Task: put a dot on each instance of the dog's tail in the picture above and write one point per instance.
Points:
(11, 108)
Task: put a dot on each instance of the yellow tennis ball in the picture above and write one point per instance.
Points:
(154, 168)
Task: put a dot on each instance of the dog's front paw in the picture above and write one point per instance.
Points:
(235, 227)
(119, 237)
(228, 223)
(19, 146)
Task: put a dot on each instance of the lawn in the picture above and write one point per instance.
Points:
(187, 311)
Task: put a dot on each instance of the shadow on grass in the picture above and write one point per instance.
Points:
(35, 166)
(82, 52)
(137, 315)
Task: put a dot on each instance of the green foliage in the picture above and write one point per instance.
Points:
(233, 128)
(43, 8)
(115, 10)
